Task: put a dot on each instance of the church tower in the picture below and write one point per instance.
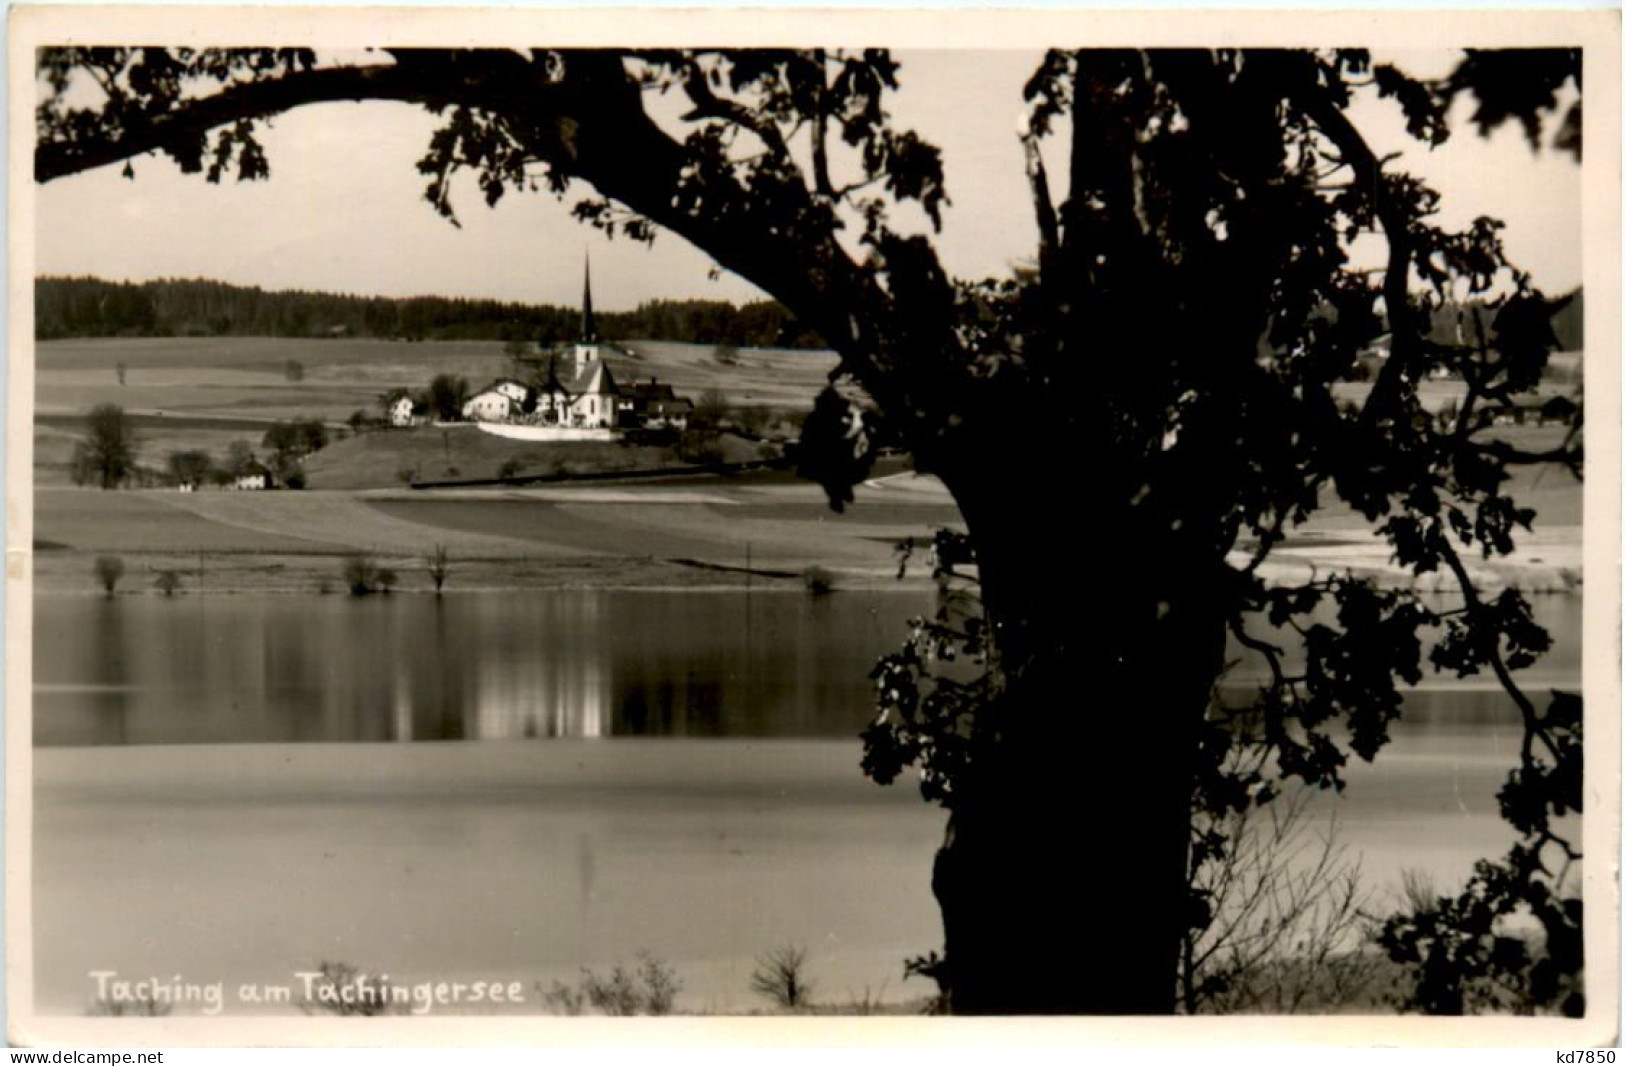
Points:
(586, 349)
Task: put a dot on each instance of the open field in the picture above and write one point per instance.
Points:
(703, 533)
(758, 376)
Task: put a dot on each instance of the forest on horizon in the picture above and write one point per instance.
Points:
(93, 307)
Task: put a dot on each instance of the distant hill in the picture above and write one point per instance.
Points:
(92, 307)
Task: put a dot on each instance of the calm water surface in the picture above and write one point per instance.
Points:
(145, 670)
(593, 663)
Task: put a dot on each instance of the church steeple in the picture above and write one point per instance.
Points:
(589, 329)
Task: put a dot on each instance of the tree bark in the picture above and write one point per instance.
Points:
(1062, 876)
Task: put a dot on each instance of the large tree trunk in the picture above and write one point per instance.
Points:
(1062, 878)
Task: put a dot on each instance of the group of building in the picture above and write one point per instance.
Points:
(576, 392)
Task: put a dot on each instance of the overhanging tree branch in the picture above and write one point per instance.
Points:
(1358, 155)
(258, 99)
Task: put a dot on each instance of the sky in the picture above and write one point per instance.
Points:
(343, 210)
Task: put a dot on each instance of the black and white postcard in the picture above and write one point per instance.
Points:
(523, 519)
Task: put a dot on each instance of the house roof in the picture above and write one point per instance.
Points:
(592, 379)
(650, 392)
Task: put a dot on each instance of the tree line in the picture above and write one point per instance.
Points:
(93, 307)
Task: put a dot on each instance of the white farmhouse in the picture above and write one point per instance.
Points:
(400, 412)
(489, 405)
(503, 400)
(513, 390)
(253, 476)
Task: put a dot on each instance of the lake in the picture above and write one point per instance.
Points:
(616, 772)
(565, 663)
(590, 663)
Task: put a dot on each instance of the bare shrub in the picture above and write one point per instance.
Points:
(360, 573)
(143, 1007)
(781, 977)
(650, 988)
(1287, 931)
(167, 582)
(347, 991)
(869, 1001)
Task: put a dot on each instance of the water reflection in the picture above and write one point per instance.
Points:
(471, 667)
(145, 670)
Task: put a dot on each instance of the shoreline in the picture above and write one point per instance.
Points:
(70, 574)
(724, 534)
(1550, 566)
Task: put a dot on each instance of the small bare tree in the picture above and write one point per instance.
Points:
(167, 582)
(439, 564)
(781, 976)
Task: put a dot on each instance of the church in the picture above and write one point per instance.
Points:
(581, 394)
(575, 392)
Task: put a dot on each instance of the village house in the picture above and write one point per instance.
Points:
(489, 405)
(504, 400)
(653, 405)
(401, 412)
(252, 476)
(517, 391)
